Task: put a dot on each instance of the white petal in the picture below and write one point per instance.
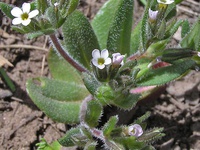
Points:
(165, 1)
(104, 53)
(95, 53)
(16, 21)
(16, 12)
(26, 7)
(26, 22)
(101, 66)
(107, 61)
(94, 61)
(33, 13)
(198, 54)
(115, 54)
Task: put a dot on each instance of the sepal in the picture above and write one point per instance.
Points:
(93, 113)
(91, 83)
(67, 140)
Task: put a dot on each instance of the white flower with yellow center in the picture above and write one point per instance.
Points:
(100, 59)
(167, 2)
(24, 15)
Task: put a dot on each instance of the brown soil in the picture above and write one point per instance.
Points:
(22, 124)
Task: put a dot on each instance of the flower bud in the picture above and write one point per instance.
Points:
(135, 130)
(152, 15)
(117, 59)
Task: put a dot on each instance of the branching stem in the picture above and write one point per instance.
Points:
(60, 49)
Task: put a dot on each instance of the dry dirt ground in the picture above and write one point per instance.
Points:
(22, 124)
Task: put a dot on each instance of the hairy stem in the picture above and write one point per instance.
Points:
(60, 49)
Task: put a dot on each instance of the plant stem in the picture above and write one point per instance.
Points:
(64, 54)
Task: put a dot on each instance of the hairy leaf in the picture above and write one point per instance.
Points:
(65, 111)
(93, 113)
(103, 20)
(135, 38)
(6, 9)
(120, 30)
(67, 140)
(166, 74)
(65, 71)
(192, 39)
(79, 38)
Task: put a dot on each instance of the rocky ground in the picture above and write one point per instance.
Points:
(22, 124)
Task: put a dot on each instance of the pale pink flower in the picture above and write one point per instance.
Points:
(135, 130)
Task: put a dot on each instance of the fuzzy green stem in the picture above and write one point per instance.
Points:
(60, 49)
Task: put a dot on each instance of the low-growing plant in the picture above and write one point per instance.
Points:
(103, 62)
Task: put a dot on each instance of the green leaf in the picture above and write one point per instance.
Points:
(192, 39)
(172, 28)
(178, 1)
(61, 111)
(43, 145)
(6, 9)
(65, 71)
(72, 6)
(52, 16)
(171, 55)
(91, 83)
(7, 79)
(161, 31)
(104, 94)
(130, 143)
(93, 113)
(166, 74)
(90, 146)
(79, 38)
(67, 140)
(110, 126)
(120, 30)
(170, 12)
(141, 119)
(126, 100)
(135, 38)
(19, 29)
(42, 5)
(185, 28)
(41, 32)
(145, 30)
(156, 49)
(61, 90)
(103, 20)
(151, 135)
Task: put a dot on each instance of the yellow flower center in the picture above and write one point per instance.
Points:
(101, 61)
(24, 16)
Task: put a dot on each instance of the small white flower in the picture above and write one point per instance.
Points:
(153, 14)
(118, 59)
(100, 59)
(23, 16)
(198, 54)
(135, 130)
(165, 1)
(56, 4)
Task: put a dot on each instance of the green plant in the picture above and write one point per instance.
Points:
(85, 79)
